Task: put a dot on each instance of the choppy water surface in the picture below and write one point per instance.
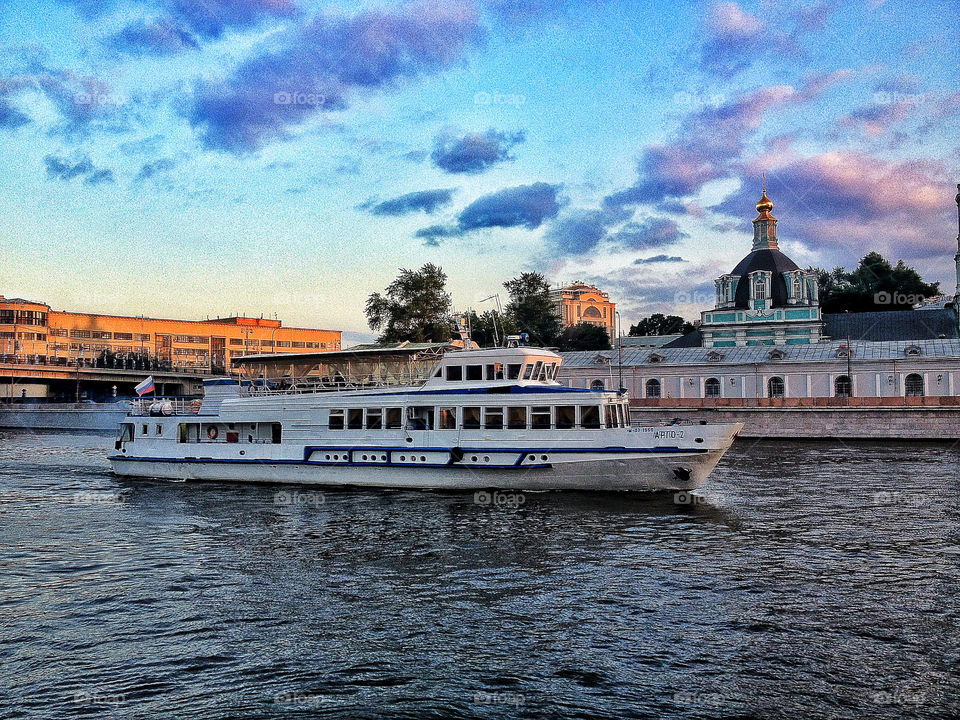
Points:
(805, 581)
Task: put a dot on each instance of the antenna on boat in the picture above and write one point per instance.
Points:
(499, 309)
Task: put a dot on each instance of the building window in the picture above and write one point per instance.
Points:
(775, 387)
(711, 388)
(760, 288)
(653, 388)
(842, 386)
(914, 385)
(597, 385)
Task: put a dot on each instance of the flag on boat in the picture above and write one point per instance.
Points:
(145, 387)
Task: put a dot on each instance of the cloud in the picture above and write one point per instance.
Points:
(659, 259)
(577, 234)
(522, 206)
(59, 168)
(425, 200)
(473, 152)
(10, 117)
(184, 23)
(876, 119)
(148, 170)
(652, 232)
(844, 203)
(314, 67)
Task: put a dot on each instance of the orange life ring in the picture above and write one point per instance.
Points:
(195, 407)
(212, 432)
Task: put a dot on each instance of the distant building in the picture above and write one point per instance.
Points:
(766, 342)
(582, 303)
(30, 332)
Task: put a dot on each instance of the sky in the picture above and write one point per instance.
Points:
(195, 158)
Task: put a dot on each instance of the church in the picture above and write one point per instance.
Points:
(765, 343)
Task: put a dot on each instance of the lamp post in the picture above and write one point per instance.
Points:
(619, 349)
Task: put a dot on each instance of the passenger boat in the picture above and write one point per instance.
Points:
(414, 416)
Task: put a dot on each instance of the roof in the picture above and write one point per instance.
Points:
(819, 352)
(771, 260)
(928, 324)
(404, 348)
(691, 339)
(648, 340)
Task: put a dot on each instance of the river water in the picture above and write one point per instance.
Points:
(805, 580)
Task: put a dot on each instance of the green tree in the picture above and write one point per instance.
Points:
(414, 307)
(584, 336)
(875, 285)
(531, 310)
(660, 324)
(490, 328)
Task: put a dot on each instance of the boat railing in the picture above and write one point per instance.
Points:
(324, 386)
(164, 406)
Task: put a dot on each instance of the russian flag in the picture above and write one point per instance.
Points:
(145, 387)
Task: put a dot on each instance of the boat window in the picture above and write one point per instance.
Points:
(517, 418)
(566, 416)
(374, 418)
(474, 372)
(439, 372)
(471, 418)
(551, 369)
(495, 371)
(355, 418)
(276, 430)
(446, 418)
(622, 416)
(454, 372)
(527, 372)
(336, 420)
(513, 371)
(394, 418)
(538, 370)
(183, 433)
(419, 417)
(609, 416)
(590, 417)
(540, 417)
(126, 432)
(493, 418)
(144, 429)
(159, 430)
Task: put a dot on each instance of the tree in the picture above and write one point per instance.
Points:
(490, 328)
(875, 285)
(531, 310)
(660, 324)
(414, 307)
(584, 336)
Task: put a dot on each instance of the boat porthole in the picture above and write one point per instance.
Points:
(409, 439)
(532, 457)
(700, 440)
(243, 452)
(326, 457)
(473, 459)
(364, 457)
(486, 458)
(403, 458)
(543, 457)
(423, 459)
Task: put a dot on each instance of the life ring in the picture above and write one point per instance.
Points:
(195, 407)
(212, 432)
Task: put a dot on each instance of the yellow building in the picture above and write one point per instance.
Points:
(582, 303)
(30, 332)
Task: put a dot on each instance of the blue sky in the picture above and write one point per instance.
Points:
(181, 158)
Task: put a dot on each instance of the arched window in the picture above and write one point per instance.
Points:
(797, 289)
(597, 385)
(653, 388)
(842, 386)
(711, 388)
(914, 384)
(775, 387)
